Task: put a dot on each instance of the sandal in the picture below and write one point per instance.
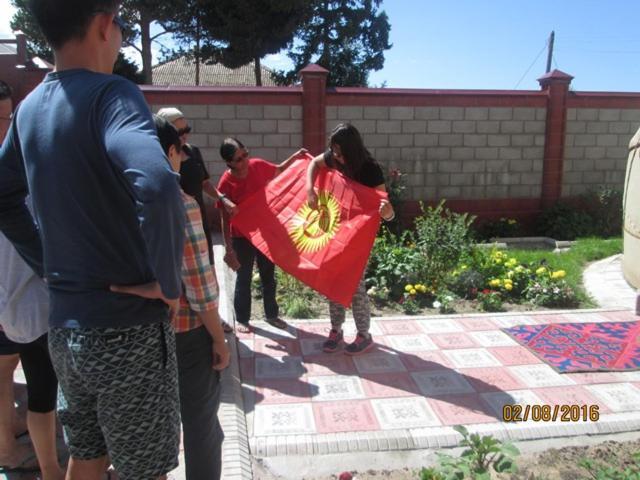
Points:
(226, 327)
(277, 322)
(244, 328)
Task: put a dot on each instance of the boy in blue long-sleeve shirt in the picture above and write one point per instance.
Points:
(107, 212)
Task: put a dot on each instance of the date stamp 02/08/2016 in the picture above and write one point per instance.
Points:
(550, 413)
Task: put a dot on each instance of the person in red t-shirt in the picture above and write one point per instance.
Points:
(245, 176)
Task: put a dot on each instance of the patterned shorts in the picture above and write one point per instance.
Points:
(119, 396)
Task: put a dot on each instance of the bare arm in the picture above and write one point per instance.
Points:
(211, 321)
(285, 164)
(386, 209)
(230, 257)
(213, 192)
(312, 171)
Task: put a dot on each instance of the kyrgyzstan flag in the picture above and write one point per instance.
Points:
(327, 248)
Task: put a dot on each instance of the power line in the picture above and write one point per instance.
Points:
(532, 64)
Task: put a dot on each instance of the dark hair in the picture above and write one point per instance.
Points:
(167, 134)
(353, 150)
(5, 90)
(229, 147)
(63, 20)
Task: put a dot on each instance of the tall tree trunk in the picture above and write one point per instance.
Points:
(258, 71)
(145, 41)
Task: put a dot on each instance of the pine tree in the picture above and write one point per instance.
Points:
(347, 37)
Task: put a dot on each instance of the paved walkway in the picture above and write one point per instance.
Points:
(291, 411)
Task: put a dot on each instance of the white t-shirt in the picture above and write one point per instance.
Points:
(24, 298)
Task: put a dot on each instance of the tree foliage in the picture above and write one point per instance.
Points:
(347, 37)
(37, 45)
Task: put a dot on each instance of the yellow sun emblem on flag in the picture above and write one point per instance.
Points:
(312, 229)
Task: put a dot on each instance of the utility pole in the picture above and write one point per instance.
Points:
(550, 52)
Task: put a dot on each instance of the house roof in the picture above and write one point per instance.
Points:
(182, 71)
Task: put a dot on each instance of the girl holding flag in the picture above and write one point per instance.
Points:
(348, 155)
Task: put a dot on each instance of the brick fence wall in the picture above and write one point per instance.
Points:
(491, 153)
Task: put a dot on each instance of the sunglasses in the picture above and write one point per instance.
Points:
(244, 156)
(184, 131)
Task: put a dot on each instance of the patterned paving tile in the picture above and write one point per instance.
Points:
(287, 419)
(493, 338)
(422, 361)
(445, 325)
(462, 409)
(490, 379)
(538, 376)
(311, 346)
(497, 400)
(279, 367)
(328, 364)
(276, 390)
(411, 343)
(276, 347)
(443, 382)
(384, 385)
(506, 321)
(476, 323)
(576, 395)
(554, 318)
(619, 397)
(514, 356)
(247, 368)
(336, 387)
(399, 327)
(396, 413)
(592, 378)
(245, 347)
(349, 328)
(263, 329)
(354, 416)
(452, 340)
(313, 330)
(378, 363)
(584, 317)
(472, 357)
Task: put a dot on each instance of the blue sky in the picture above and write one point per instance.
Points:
(500, 44)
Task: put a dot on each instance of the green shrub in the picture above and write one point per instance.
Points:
(466, 283)
(605, 207)
(600, 471)
(482, 455)
(504, 227)
(294, 298)
(490, 301)
(564, 222)
(442, 238)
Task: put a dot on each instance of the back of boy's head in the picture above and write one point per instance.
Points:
(167, 134)
(64, 20)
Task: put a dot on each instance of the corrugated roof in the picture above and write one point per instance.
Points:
(8, 49)
(182, 71)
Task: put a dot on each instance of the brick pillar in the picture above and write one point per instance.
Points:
(556, 84)
(314, 111)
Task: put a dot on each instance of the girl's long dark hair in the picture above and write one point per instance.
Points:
(353, 150)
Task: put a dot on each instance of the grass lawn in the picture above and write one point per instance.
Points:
(573, 261)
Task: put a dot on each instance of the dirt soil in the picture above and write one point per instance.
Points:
(553, 464)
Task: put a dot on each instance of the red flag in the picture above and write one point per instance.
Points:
(327, 248)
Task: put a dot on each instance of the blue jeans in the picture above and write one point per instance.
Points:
(246, 254)
(199, 387)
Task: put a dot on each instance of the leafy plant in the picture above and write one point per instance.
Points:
(295, 299)
(600, 471)
(564, 221)
(490, 301)
(504, 227)
(442, 237)
(605, 207)
(443, 302)
(482, 454)
(466, 282)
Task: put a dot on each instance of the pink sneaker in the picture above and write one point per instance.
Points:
(333, 342)
(360, 345)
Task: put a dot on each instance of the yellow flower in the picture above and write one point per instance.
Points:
(412, 291)
(519, 269)
(510, 273)
(494, 282)
(498, 261)
(423, 289)
(511, 221)
(541, 271)
(561, 273)
(408, 288)
(508, 286)
(463, 267)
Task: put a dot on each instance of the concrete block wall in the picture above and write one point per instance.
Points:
(272, 132)
(454, 152)
(596, 148)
